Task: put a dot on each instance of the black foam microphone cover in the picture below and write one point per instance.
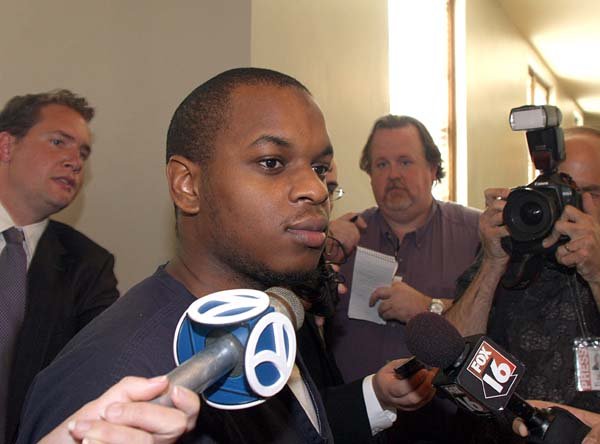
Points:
(423, 334)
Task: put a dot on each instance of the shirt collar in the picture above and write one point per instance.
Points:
(5, 219)
(423, 230)
(418, 235)
(32, 232)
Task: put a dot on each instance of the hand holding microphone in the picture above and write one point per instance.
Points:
(123, 414)
(481, 378)
(236, 347)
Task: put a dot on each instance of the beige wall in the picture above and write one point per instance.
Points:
(135, 61)
(346, 68)
(338, 49)
(496, 81)
(592, 120)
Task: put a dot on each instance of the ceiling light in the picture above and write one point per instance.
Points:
(571, 57)
(590, 104)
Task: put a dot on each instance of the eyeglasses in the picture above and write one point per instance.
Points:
(335, 253)
(336, 193)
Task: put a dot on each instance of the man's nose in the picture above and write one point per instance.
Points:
(395, 172)
(73, 160)
(307, 185)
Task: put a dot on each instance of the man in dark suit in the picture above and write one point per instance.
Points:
(44, 142)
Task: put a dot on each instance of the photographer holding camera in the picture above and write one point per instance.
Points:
(549, 320)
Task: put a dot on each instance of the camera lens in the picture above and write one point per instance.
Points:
(530, 213)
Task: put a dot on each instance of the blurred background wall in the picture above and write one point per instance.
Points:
(136, 60)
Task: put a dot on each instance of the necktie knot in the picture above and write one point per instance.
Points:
(13, 236)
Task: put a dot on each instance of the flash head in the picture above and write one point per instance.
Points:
(534, 117)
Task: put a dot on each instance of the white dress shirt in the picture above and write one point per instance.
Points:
(32, 233)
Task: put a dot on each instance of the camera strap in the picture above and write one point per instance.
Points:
(574, 292)
(586, 347)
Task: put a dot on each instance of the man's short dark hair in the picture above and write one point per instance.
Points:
(432, 152)
(23, 112)
(207, 109)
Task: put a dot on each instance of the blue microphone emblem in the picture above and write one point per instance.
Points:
(267, 336)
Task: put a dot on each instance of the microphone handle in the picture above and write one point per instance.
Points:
(548, 426)
(204, 368)
(565, 428)
(409, 368)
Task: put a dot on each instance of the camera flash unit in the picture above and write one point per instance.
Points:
(533, 117)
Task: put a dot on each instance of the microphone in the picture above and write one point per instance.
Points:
(286, 302)
(482, 378)
(236, 347)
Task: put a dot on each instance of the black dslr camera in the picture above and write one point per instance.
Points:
(532, 210)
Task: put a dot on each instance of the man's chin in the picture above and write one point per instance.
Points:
(397, 205)
(59, 205)
(287, 278)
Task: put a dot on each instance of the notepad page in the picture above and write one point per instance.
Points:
(372, 269)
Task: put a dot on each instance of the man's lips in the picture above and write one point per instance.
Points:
(310, 232)
(65, 181)
(393, 188)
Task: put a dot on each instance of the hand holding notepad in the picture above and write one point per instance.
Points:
(371, 270)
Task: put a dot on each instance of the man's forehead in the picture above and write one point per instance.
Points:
(582, 159)
(405, 138)
(582, 147)
(58, 118)
(273, 107)
(260, 100)
(582, 139)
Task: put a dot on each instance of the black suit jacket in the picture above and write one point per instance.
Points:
(344, 403)
(69, 282)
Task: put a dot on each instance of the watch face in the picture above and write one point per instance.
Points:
(436, 306)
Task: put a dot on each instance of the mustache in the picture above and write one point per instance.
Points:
(310, 215)
(395, 185)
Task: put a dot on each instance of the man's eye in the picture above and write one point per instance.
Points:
(56, 142)
(321, 170)
(271, 163)
(380, 165)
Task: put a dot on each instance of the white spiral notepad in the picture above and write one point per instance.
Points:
(371, 270)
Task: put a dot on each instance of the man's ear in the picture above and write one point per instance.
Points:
(7, 142)
(183, 177)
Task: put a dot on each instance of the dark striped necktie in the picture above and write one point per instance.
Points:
(13, 283)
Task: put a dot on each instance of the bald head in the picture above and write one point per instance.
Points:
(582, 162)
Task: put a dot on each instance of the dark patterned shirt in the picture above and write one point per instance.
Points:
(538, 325)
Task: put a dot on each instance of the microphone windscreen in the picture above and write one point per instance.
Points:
(285, 301)
(434, 340)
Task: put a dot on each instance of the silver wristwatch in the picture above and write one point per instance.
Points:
(436, 306)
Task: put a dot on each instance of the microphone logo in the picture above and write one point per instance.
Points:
(268, 338)
(490, 376)
(228, 307)
(270, 354)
